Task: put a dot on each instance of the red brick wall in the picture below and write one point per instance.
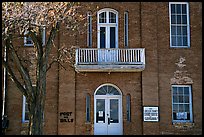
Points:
(149, 29)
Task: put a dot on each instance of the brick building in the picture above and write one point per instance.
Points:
(137, 71)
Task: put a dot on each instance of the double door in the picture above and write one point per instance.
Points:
(108, 115)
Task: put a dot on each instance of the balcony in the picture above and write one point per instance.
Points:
(110, 60)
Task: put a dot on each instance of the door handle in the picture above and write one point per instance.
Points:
(108, 121)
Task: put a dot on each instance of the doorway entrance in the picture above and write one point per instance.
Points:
(108, 110)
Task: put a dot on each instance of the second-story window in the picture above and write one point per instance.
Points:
(126, 29)
(89, 31)
(179, 24)
(107, 28)
(28, 40)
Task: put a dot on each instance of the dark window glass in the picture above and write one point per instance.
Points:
(102, 17)
(112, 37)
(89, 30)
(88, 100)
(102, 37)
(181, 104)
(173, 8)
(184, 9)
(112, 17)
(128, 105)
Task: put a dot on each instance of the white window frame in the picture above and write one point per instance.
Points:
(188, 24)
(24, 110)
(190, 104)
(107, 25)
(26, 38)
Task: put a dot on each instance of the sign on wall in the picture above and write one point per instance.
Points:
(150, 114)
(66, 117)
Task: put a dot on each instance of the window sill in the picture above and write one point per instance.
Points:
(183, 125)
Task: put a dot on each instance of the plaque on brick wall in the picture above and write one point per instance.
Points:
(150, 114)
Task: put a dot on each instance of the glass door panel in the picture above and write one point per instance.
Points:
(114, 111)
(100, 111)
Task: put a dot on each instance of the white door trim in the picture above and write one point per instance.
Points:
(105, 128)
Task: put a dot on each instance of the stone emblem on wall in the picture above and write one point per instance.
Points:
(181, 76)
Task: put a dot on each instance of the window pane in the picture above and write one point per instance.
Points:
(186, 90)
(175, 99)
(179, 30)
(128, 108)
(184, 19)
(26, 117)
(181, 108)
(114, 111)
(102, 37)
(112, 17)
(172, 8)
(178, 17)
(112, 37)
(178, 8)
(186, 108)
(173, 38)
(173, 30)
(185, 41)
(179, 42)
(87, 108)
(126, 29)
(186, 99)
(184, 9)
(89, 30)
(184, 30)
(29, 40)
(180, 99)
(173, 19)
(102, 17)
(100, 110)
(175, 108)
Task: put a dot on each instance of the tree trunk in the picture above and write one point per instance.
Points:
(36, 120)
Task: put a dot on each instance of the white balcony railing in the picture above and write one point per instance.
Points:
(86, 57)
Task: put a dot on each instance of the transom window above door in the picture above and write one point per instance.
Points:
(107, 90)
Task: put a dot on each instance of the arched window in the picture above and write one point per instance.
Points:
(107, 90)
(107, 20)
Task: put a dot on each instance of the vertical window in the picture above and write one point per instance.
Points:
(89, 31)
(179, 24)
(126, 29)
(181, 103)
(128, 105)
(88, 106)
(25, 113)
(107, 24)
(28, 40)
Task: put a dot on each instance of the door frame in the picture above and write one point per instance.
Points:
(108, 97)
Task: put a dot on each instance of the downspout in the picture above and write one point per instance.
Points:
(140, 10)
(4, 85)
(5, 121)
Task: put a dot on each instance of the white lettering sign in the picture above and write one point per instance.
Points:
(150, 114)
